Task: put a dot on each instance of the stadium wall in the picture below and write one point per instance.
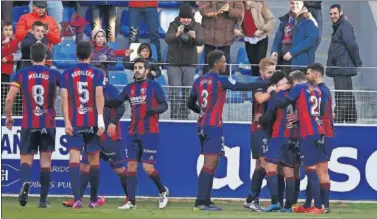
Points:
(352, 167)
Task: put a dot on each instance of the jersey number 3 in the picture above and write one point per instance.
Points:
(204, 95)
(316, 105)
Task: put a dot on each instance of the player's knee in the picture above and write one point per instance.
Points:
(132, 166)
(84, 167)
(148, 168)
(118, 171)
(27, 158)
(93, 158)
(74, 156)
(45, 159)
(270, 167)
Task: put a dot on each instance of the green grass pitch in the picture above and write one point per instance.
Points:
(175, 209)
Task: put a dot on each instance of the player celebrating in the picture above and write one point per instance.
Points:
(147, 101)
(210, 90)
(259, 137)
(37, 84)
(315, 74)
(111, 147)
(82, 104)
(307, 100)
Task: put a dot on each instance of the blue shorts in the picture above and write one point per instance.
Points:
(111, 151)
(329, 147)
(290, 153)
(37, 139)
(259, 143)
(84, 138)
(274, 150)
(312, 151)
(211, 140)
(142, 148)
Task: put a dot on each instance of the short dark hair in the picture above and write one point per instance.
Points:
(336, 6)
(317, 67)
(83, 50)
(38, 52)
(141, 60)
(214, 57)
(37, 24)
(5, 24)
(297, 75)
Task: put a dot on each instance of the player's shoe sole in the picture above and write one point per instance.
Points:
(24, 194)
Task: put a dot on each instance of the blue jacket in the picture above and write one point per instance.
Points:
(114, 3)
(305, 38)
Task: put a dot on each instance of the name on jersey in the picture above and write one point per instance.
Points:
(85, 73)
(38, 75)
(138, 100)
(205, 82)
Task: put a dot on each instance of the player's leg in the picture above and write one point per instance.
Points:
(324, 180)
(289, 173)
(297, 181)
(281, 185)
(149, 144)
(45, 178)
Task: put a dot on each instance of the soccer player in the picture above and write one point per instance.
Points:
(259, 136)
(82, 105)
(282, 150)
(37, 84)
(210, 91)
(147, 101)
(306, 97)
(315, 74)
(111, 147)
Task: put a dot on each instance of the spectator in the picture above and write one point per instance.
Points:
(144, 51)
(36, 35)
(183, 36)
(55, 9)
(315, 8)
(105, 9)
(343, 53)
(296, 39)
(9, 47)
(218, 22)
(26, 21)
(257, 22)
(147, 10)
(102, 55)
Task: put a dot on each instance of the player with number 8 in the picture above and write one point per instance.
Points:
(82, 105)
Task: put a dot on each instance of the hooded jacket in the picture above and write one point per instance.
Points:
(9, 51)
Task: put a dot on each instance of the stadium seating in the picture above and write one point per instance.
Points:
(18, 11)
(119, 66)
(118, 78)
(169, 4)
(243, 62)
(67, 14)
(65, 50)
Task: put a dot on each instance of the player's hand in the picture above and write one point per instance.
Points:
(9, 123)
(287, 56)
(68, 130)
(111, 130)
(271, 88)
(100, 131)
(151, 112)
(257, 117)
(292, 117)
(100, 124)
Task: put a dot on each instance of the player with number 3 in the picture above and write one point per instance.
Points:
(83, 104)
(37, 84)
(307, 98)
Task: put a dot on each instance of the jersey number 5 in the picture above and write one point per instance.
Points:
(316, 105)
(82, 88)
(204, 95)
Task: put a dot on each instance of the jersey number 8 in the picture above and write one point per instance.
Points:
(38, 92)
(316, 105)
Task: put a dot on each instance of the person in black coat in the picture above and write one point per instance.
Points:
(343, 53)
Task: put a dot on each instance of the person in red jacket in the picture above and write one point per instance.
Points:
(9, 47)
(147, 10)
(39, 13)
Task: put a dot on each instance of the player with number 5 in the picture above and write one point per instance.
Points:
(37, 84)
(82, 105)
(307, 98)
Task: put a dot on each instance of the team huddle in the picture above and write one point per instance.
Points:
(292, 127)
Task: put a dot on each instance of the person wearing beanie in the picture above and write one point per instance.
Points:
(182, 37)
(102, 55)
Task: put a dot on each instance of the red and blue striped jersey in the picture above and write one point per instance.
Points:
(308, 100)
(81, 82)
(109, 113)
(257, 108)
(143, 96)
(281, 127)
(38, 88)
(326, 110)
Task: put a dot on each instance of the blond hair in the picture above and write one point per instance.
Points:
(268, 61)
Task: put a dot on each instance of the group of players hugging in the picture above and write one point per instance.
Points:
(292, 127)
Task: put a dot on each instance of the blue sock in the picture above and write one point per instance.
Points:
(297, 191)
(309, 196)
(289, 194)
(256, 184)
(25, 172)
(74, 173)
(44, 180)
(131, 186)
(204, 186)
(314, 187)
(94, 182)
(84, 181)
(281, 189)
(325, 190)
(155, 176)
(272, 183)
(123, 181)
